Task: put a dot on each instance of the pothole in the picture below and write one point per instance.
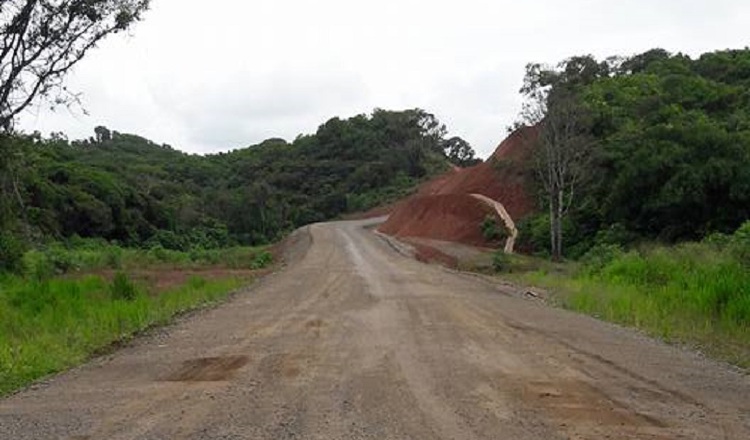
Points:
(208, 369)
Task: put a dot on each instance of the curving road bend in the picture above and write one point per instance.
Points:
(354, 341)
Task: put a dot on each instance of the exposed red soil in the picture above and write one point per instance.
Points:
(442, 208)
(503, 177)
(160, 280)
(429, 254)
(449, 217)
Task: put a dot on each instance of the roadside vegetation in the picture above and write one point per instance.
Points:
(642, 168)
(694, 293)
(74, 299)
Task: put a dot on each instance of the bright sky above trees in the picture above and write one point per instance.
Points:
(211, 76)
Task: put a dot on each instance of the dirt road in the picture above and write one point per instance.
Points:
(354, 341)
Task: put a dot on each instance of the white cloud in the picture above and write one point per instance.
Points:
(208, 76)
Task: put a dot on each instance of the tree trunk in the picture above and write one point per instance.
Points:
(559, 218)
(552, 229)
(555, 224)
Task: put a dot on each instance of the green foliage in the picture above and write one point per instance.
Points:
(459, 152)
(91, 254)
(692, 293)
(47, 326)
(672, 154)
(123, 288)
(493, 230)
(500, 261)
(674, 161)
(11, 253)
(124, 188)
(261, 260)
(533, 234)
(600, 255)
(739, 244)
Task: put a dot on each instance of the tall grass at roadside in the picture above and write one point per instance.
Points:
(51, 324)
(89, 254)
(693, 293)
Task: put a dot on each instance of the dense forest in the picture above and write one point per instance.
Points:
(668, 154)
(669, 160)
(124, 188)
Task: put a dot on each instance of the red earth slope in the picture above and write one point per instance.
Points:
(443, 209)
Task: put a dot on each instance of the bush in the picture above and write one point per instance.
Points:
(158, 253)
(534, 234)
(167, 240)
(493, 230)
(500, 261)
(601, 255)
(11, 253)
(718, 240)
(122, 288)
(113, 257)
(740, 243)
(261, 260)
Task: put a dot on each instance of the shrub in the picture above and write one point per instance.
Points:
(500, 261)
(168, 240)
(122, 288)
(261, 260)
(534, 234)
(601, 255)
(493, 230)
(11, 253)
(158, 253)
(113, 257)
(740, 243)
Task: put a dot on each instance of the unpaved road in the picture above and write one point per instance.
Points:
(355, 341)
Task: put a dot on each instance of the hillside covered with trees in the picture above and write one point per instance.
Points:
(124, 188)
(650, 147)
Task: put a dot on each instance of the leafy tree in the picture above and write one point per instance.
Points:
(564, 146)
(123, 187)
(102, 134)
(459, 152)
(40, 40)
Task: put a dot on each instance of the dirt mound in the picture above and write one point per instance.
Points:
(504, 177)
(449, 217)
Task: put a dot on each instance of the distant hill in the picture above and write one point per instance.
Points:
(123, 187)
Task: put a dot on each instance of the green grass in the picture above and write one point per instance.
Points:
(51, 320)
(50, 325)
(58, 259)
(695, 294)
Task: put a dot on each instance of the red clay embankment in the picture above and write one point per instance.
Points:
(443, 208)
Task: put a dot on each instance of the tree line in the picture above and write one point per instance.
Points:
(654, 146)
(125, 188)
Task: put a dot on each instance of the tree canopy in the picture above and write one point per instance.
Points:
(672, 156)
(123, 187)
(40, 40)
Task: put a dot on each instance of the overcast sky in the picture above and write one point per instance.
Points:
(207, 76)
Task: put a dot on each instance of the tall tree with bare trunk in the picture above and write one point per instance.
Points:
(564, 144)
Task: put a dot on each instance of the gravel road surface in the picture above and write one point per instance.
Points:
(352, 340)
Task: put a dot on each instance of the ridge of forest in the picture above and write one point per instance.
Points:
(669, 161)
(124, 188)
(659, 150)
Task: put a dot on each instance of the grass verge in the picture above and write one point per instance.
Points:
(52, 319)
(694, 294)
(51, 325)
